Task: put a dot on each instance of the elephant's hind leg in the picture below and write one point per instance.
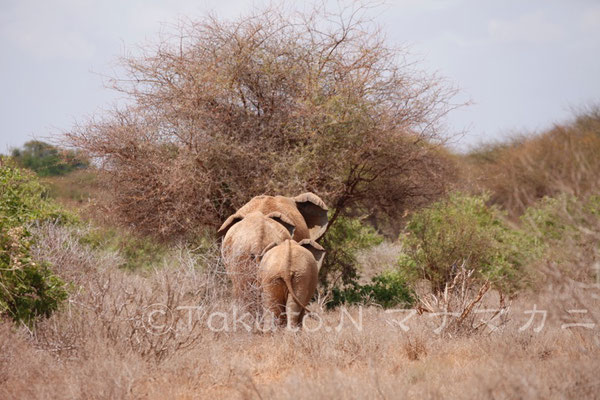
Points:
(293, 312)
(273, 309)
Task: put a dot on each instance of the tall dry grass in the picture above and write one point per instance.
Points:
(98, 346)
(517, 173)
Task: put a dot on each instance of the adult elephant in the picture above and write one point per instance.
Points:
(246, 237)
(288, 275)
(307, 212)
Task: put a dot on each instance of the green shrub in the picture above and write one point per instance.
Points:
(48, 160)
(24, 200)
(568, 230)
(344, 239)
(137, 252)
(388, 289)
(555, 218)
(464, 229)
(340, 270)
(27, 289)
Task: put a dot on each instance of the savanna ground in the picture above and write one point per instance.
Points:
(98, 347)
(446, 276)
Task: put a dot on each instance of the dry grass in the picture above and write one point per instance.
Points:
(561, 160)
(99, 347)
(382, 361)
(378, 259)
(76, 189)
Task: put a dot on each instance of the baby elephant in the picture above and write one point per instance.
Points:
(288, 275)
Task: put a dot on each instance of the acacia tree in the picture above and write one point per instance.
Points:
(276, 102)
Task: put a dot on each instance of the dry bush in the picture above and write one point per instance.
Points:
(117, 307)
(415, 348)
(276, 102)
(459, 304)
(61, 246)
(30, 373)
(561, 160)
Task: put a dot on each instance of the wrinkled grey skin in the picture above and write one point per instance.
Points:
(245, 239)
(307, 212)
(288, 275)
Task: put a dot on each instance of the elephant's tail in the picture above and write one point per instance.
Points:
(288, 282)
(287, 277)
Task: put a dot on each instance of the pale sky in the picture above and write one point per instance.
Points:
(524, 64)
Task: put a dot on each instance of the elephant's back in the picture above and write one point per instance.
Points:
(290, 256)
(285, 205)
(238, 242)
(254, 234)
(304, 258)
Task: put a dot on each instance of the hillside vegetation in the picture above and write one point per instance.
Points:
(524, 170)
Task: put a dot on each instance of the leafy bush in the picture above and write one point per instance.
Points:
(388, 289)
(343, 240)
(24, 200)
(463, 229)
(548, 218)
(48, 160)
(27, 289)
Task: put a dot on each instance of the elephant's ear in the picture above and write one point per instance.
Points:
(315, 248)
(283, 220)
(229, 222)
(314, 211)
(269, 247)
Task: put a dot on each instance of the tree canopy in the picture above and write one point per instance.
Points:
(278, 102)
